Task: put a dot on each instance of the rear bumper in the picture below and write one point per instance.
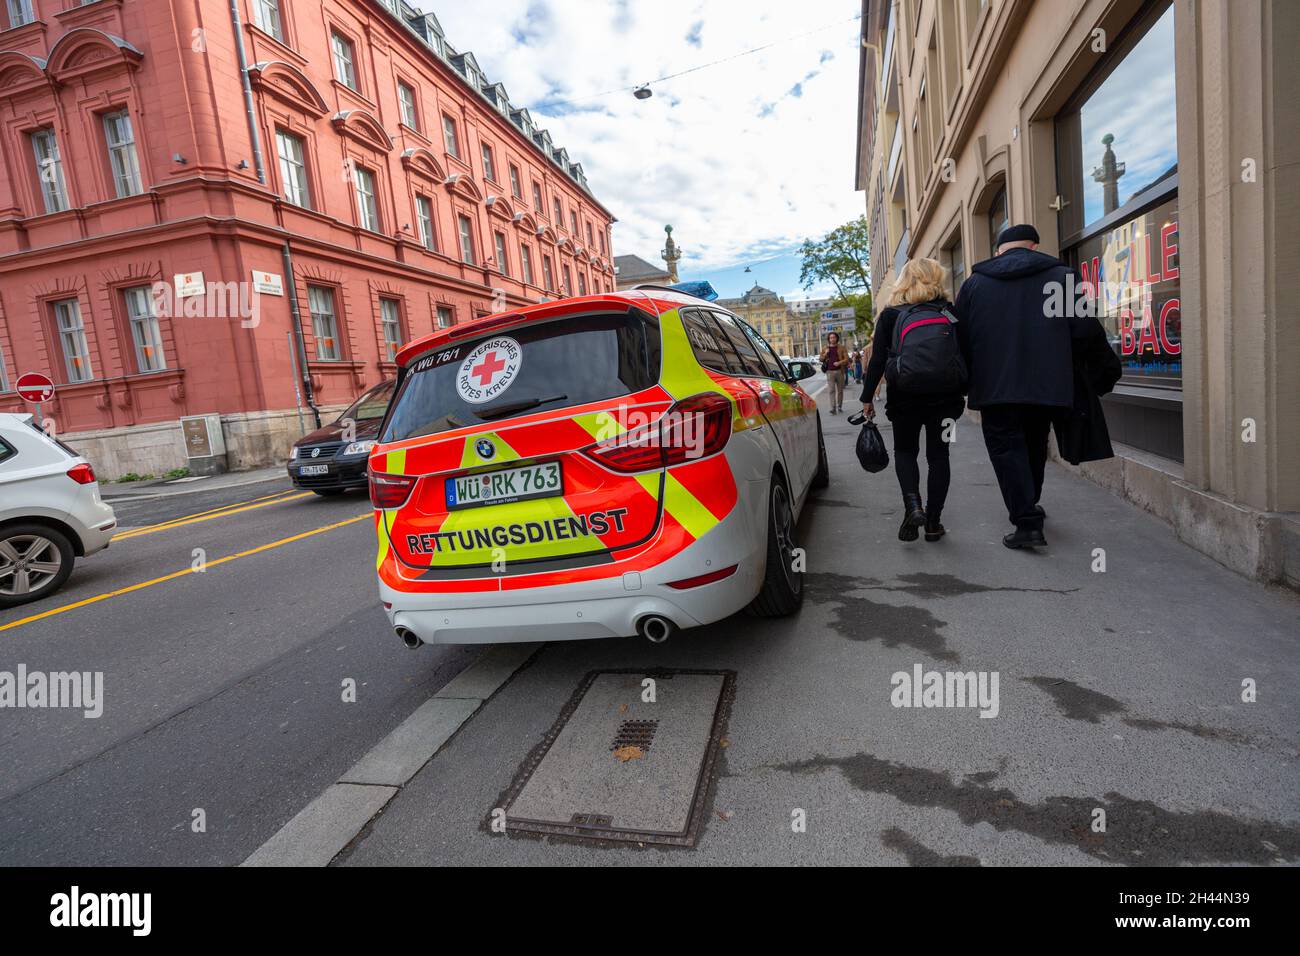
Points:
(608, 607)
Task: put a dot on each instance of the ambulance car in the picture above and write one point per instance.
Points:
(605, 466)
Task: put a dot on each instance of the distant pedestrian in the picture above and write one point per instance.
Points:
(1020, 357)
(857, 367)
(933, 402)
(835, 360)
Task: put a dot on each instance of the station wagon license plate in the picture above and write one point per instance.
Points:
(508, 484)
(306, 471)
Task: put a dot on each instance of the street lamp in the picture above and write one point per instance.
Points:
(643, 92)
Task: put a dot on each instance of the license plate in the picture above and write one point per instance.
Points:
(508, 484)
(307, 470)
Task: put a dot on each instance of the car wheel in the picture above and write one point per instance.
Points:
(35, 560)
(823, 476)
(328, 492)
(782, 591)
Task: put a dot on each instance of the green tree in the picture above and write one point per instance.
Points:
(842, 257)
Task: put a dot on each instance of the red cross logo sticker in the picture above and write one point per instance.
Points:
(486, 370)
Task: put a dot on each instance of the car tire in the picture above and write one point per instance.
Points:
(782, 591)
(16, 543)
(823, 476)
(328, 492)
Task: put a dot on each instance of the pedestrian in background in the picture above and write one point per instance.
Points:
(917, 300)
(834, 360)
(1020, 356)
(857, 367)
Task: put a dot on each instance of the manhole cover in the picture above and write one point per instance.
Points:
(618, 767)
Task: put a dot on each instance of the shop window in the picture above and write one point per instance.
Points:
(1118, 139)
(1117, 160)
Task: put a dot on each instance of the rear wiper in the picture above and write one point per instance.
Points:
(510, 408)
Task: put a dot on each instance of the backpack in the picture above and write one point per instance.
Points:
(924, 357)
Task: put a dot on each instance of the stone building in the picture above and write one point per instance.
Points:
(242, 209)
(1153, 144)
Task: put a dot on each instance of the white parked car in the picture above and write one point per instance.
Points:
(50, 511)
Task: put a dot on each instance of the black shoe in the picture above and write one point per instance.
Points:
(934, 529)
(834, 411)
(1025, 538)
(913, 518)
(1041, 513)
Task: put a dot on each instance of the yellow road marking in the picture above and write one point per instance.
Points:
(178, 574)
(208, 516)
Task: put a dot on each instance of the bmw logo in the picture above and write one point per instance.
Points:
(315, 452)
(485, 448)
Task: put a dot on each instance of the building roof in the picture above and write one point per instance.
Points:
(634, 268)
(426, 27)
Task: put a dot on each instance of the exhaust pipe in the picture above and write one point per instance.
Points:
(655, 629)
(409, 638)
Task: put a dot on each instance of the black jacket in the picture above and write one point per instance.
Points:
(1081, 433)
(1017, 353)
(898, 402)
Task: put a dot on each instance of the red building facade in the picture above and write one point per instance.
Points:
(176, 180)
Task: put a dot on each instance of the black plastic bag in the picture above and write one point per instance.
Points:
(872, 453)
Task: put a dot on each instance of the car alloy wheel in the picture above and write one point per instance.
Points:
(28, 562)
(783, 521)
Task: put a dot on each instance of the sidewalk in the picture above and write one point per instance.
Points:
(1120, 699)
(163, 487)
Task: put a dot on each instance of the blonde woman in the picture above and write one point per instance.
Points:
(918, 294)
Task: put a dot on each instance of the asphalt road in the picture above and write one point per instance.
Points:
(223, 689)
(1119, 691)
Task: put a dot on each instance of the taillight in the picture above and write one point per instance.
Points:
(695, 427)
(390, 491)
(82, 474)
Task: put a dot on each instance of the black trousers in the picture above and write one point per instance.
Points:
(1016, 439)
(907, 451)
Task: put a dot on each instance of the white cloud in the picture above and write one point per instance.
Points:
(744, 159)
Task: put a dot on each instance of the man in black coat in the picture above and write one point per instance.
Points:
(1017, 321)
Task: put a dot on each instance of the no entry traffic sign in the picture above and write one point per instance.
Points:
(35, 388)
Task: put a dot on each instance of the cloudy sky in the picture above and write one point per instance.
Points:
(745, 159)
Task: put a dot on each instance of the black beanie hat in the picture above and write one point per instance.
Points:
(1018, 234)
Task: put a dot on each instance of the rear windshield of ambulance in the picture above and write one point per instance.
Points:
(521, 371)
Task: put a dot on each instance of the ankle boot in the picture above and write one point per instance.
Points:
(913, 517)
(934, 530)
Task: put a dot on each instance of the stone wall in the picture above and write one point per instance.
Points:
(253, 440)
